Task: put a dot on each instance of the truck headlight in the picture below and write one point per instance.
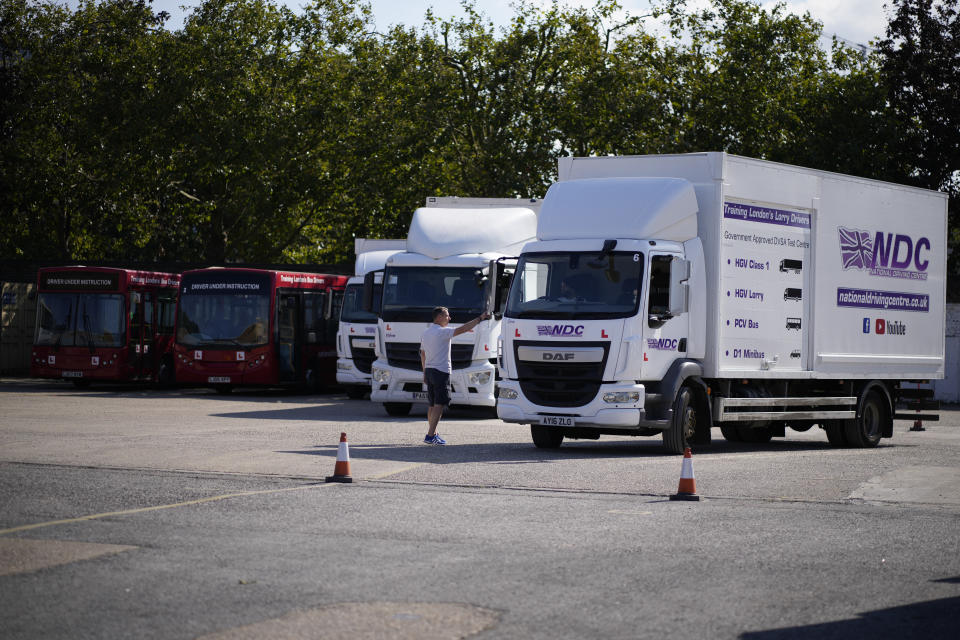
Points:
(381, 375)
(344, 366)
(621, 397)
(508, 394)
(478, 378)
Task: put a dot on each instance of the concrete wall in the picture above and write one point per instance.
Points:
(948, 389)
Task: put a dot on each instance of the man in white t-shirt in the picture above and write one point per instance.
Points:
(435, 360)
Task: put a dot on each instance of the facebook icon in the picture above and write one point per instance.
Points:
(866, 325)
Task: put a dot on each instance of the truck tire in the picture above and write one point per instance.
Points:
(754, 435)
(866, 429)
(835, 432)
(357, 392)
(730, 432)
(398, 409)
(546, 437)
(684, 423)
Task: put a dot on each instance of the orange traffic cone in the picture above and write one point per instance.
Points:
(341, 470)
(688, 485)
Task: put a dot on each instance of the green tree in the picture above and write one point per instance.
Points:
(921, 68)
(78, 89)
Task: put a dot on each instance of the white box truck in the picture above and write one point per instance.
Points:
(668, 294)
(460, 254)
(357, 331)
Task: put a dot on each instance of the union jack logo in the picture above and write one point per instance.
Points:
(856, 248)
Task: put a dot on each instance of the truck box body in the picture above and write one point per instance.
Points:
(787, 276)
(449, 250)
(799, 260)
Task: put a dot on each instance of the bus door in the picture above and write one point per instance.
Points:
(142, 321)
(289, 336)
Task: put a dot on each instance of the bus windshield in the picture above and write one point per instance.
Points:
(236, 319)
(411, 293)
(576, 286)
(80, 319)
(353, 305)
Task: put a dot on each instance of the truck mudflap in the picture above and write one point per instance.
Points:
(661, 395)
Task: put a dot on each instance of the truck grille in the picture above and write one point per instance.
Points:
(363, 359)
(560, 384)
(406, 355)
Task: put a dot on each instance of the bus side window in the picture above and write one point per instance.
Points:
(166, 313)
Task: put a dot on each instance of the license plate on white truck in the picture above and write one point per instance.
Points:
(557, 421)
(419, 395)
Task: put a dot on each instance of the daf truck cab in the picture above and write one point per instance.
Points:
(460, 254)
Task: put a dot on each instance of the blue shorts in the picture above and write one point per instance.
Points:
(438, 383)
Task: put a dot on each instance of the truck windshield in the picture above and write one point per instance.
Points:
(233, 319)
(580, 285)
(411, 293)
(81, 320)
(353, 305)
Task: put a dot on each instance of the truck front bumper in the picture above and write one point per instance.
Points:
(347, 373)
(472, 386)
(512, 406)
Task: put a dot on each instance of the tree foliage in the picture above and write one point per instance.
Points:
(257, 134)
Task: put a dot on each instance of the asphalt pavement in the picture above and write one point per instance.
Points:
(127, 512)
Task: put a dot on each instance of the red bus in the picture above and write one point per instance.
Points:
(104, 324)
(244, 327)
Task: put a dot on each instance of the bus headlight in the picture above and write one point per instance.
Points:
(508, 394)
(381, 375)
(621, 397)
(478, 378)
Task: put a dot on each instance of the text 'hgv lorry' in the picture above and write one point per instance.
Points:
(358, 328)
(669, 294)
(460, 254)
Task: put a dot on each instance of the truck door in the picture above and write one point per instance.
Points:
(289, 336)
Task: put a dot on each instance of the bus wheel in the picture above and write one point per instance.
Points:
(165, 376)
(684, 423)
(398, 409)
(865, 430)
(546, 437)
(835, 432)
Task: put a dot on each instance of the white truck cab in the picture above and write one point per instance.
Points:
(460, 254)
(357, 331)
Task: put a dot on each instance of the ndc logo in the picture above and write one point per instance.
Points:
(662, 344)
(561, 330)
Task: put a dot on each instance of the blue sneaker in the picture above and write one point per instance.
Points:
(434, 439)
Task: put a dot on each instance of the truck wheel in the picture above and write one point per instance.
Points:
(865, 430)
(357, 393)
(835, 432)
(754, 435)
(684, 423)
(731, 433)
(398, 409)
(546, 437)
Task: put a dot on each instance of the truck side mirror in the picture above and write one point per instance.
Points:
(679, 286)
